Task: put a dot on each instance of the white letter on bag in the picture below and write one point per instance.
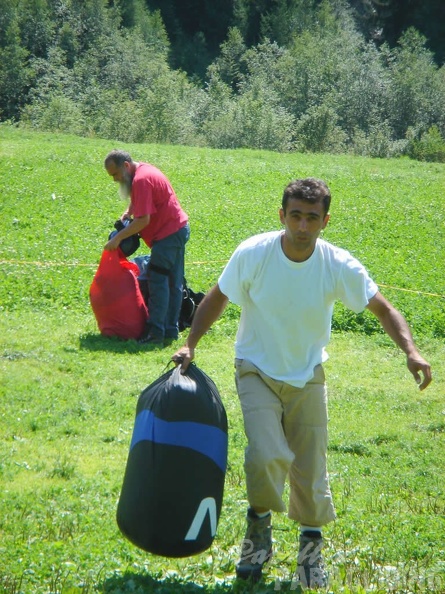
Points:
(207, 505)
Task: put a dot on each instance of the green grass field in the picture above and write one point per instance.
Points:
(68, 395)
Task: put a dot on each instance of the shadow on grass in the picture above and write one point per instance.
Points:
(98, 342)
(147, 585)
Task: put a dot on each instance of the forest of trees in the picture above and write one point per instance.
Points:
(361, 76)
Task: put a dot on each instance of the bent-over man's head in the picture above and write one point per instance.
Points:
(121, 167)
(117, 157)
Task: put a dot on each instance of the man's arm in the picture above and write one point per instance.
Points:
(132, 228)
(397, 328)
(209, 310)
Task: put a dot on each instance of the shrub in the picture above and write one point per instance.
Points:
(429, 147)
(251, 122)
(317, 131)
(166, 108)
(119, 118)
(416, 87)
(378, 142)
(60, 114)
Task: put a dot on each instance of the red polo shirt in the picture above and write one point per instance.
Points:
(152, 194)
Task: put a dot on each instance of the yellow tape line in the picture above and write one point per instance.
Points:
(43, 264)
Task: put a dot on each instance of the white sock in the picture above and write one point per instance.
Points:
(304, 528)
(263, 514)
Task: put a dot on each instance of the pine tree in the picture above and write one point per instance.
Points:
(14, 75)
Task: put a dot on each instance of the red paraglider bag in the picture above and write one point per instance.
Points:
(116, 298)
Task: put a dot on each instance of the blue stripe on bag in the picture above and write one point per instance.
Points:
(206, 439)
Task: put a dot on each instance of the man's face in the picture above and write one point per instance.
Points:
(123, 177)
(303, 223)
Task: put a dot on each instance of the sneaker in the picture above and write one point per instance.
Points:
(311, 571)
(151, 340)
(256, 548)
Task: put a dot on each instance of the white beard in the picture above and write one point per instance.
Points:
(125, 186)
(124, 191)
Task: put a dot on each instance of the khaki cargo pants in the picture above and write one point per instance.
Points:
(286, 429)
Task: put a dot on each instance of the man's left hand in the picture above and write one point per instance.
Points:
(417, 364)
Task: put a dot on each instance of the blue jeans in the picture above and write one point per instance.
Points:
(165, 280)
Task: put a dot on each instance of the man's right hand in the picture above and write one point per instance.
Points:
(113, 243)
(183, 357)
(208, 311)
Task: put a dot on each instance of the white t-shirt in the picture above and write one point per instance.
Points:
(287, 306)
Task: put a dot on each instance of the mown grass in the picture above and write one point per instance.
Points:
(58, 206)
(68, 395)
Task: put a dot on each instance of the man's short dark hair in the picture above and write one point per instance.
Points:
(117, 157)
(310, 190)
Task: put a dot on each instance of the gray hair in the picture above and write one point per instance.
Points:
(117, 157)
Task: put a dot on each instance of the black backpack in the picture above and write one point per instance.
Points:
(190, 302)
(129, 245)
(172, 492)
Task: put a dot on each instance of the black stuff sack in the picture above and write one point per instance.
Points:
(172, 492)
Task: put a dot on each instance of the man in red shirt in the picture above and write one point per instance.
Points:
(155, 213)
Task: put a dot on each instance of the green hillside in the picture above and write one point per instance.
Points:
(68, 395)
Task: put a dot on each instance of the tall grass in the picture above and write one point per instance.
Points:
(68, 395)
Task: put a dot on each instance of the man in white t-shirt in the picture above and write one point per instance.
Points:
(286, 283)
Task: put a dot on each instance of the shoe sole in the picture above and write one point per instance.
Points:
(254, 575)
